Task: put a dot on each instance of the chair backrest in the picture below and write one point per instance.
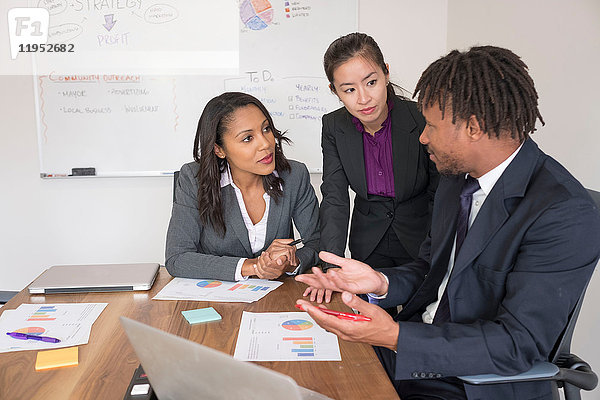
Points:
(595, 196)
(175, 177)
(6, 295)
(563, 346)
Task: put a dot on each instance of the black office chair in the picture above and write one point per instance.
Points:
(595, 196)
(5, 296)
(565, 370)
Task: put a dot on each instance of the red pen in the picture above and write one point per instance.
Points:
(341, 315)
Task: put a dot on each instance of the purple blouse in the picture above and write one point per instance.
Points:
(379, 162)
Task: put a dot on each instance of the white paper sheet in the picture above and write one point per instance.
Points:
(246, 291)
(71, 323)
(288, 336)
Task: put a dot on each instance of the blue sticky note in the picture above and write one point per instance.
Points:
(201, 315)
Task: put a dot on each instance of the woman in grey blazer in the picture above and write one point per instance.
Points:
(234, 205)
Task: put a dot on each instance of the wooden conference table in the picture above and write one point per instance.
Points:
(108, 361)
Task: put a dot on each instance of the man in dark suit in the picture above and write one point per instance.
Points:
(513, 241)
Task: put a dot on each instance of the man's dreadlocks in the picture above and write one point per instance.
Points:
(489, 82)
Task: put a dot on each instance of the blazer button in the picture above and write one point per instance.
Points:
(438, 375)
(390, 214)
(431, 375)
(423, 375)
(415, 374)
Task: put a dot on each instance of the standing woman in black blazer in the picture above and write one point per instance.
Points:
(372, 145)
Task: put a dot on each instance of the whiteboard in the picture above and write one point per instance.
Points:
(133, 124)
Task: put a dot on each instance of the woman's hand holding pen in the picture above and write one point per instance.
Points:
(261, 267)
(267, 268)
(283, 251)
(275, 260)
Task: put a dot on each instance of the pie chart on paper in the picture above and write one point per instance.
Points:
(209, 284)
(297, 325)
(31, 330)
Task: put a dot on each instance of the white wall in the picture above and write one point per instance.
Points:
(560, 42)
(125, 219)
(397, 27)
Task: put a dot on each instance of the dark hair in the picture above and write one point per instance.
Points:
(489, 82)
(213, 123)
(352, 45)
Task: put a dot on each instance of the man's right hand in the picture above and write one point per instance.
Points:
(352, 276)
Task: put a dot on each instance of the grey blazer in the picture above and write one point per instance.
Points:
(196, 250)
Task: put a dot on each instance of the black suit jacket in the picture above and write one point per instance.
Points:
(415, 180)
(520, 272)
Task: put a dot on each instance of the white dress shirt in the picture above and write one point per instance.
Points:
(257, 233)
(486, 184)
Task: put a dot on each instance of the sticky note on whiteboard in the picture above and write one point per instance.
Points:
(201, 315)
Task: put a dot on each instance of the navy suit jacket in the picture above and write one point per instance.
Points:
(522, 267)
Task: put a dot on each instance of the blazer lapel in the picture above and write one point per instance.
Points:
(405, 151)
(233, 217)
(442, 243)
(489, 219)
(352, 155)
(512, 183)
(442, 240)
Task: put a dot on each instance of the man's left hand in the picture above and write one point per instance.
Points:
(382, 330)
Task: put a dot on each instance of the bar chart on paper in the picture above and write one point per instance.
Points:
(287, 336)
(44, 313)
(253, 288)
(301, 346)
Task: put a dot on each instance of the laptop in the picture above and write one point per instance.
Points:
(95, 278)
(181, 369)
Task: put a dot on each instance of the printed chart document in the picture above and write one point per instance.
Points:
(70, 322)
(287, 336)
(246, 291)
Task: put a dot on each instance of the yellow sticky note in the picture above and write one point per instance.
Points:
(48, 359)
